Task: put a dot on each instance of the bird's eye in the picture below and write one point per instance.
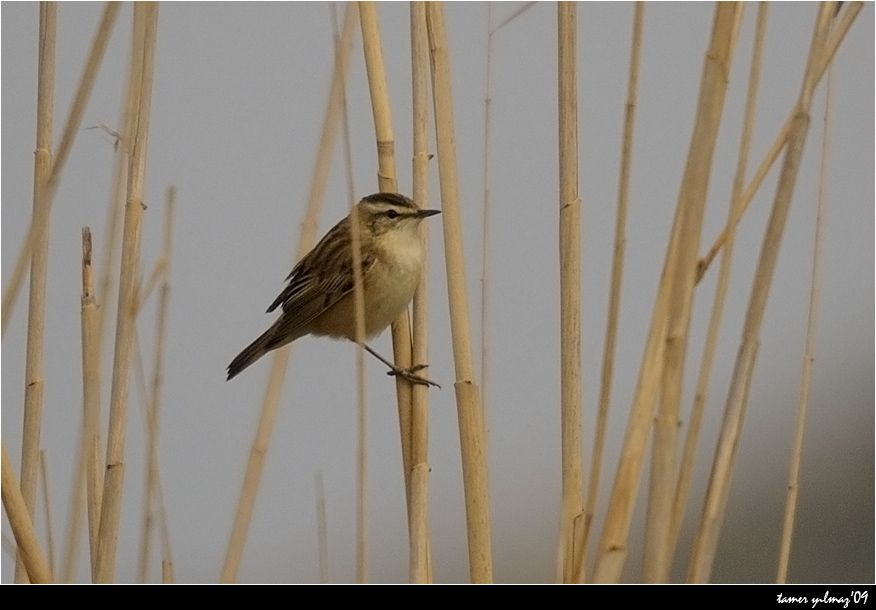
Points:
(391, 214)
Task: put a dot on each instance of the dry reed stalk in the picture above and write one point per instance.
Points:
(519, 11)
(321, 529)
(378, 88)
(838, 33)
(79, 494)
(112, 233)
(809, 353)
(469, 411)
(611, 553)
(420, 560)
(386, 180)
(91, 396)
(167, 555)
(809, 350)
(39, 258)
(682, 282)
(421, 544)
(361, 407)
(359, 303)
(93, 345)
(757, 180)
(115, 204)
(617, 267)
(167, 577)
(270, 403)
(87, 471)
(37, 569)
(706, 541)
(487, 193)
(674, 279)
(146, 287)
(150, 489)
(75, 509)
(570, 289)
(71, 128)
(145, 24)
(688, 459)
(47, 509)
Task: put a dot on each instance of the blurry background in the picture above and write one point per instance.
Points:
(238, 103)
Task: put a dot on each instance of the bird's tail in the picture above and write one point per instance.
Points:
(251, 353)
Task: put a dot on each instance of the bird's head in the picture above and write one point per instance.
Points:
(383, 212)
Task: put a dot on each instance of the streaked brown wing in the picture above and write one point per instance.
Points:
(319, 280)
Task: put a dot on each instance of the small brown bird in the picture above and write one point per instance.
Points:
(319, 297)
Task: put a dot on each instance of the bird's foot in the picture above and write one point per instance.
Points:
(410, 374)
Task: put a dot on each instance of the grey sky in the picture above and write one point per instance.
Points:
(238, 102)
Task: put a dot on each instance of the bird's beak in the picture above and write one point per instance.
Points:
(426, 213)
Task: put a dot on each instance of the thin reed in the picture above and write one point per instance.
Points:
(469, 410)
(617, 267)
(420, 559)
(143, 50)
(571, 505)
(682, 490)
(321, 528)
(47, 510)
(93, 445)
(71, 128)
(681, 277)
(151, 505)
(838, 32)
(36, 313)
(386, 182)
(359, 304)
(660, 372)
(270, 403)
(712, 519)
(378, 90)
(33, 560)
(809, 349)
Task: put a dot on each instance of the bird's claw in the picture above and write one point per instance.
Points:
(410, 374)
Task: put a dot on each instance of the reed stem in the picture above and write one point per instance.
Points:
(682, 262)
(838, 33)
(145, 24)
(420, 543)
(668, 328)
(570, 290)
(469, 411)
(71, 128)
(153, 411)
(617, 267)
(47, 510)
(691, 442)
(91, 397)
(386, 181)
(39, 262)
(359, 302)
(270, 403)
(715, 504)
(321, 529)
(37, 569)
(809, 350)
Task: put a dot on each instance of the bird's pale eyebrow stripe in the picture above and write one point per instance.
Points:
(391, 198)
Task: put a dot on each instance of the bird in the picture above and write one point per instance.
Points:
(318, 298)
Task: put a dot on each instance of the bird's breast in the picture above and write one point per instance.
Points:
(391, 283)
